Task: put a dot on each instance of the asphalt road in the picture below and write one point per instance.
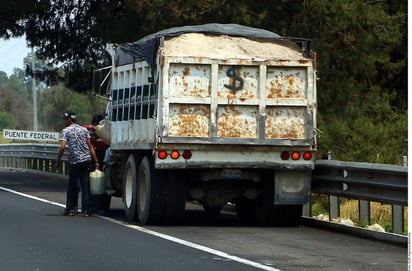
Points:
(34, 236)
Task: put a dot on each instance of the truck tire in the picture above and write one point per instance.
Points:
(151, 190)
(288, 215)
(245, 210)
(130, 189)
(175, 198)
(265, 208)
(212, 211)
(269, 214)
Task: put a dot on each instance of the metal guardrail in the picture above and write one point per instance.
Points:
(365, 182)
(373, 182)
(33, 156)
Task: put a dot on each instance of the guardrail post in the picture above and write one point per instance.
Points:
(30, 163)
(364, 212)
(43, 165)
(398, 220)
(52, 165)
(405, 161)
(334, 210)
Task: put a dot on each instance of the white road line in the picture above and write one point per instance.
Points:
(32, 197)
(160, 235)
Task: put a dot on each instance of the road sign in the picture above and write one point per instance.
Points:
(30, 135)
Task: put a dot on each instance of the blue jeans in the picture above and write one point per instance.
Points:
(79, 173)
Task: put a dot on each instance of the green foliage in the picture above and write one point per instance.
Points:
(15, 101)
(320, 204)
(318, 209)
(359, 44)
(56, 100)
(12, 13)
(16, 105)
(365, 139)
(6, 121)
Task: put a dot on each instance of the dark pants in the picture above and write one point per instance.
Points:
(79, 173)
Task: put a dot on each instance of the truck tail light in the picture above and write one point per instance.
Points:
(307, 155)
(175, 155)
(295, 155)
(187, 154)
(284, 155)
(162, 155)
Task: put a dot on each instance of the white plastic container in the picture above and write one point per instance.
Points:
(97, 186)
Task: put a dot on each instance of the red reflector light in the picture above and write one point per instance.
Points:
(295, 155)
(307, 155)
(187, 154)
(162, 154)
(175, 155)
(284, 155)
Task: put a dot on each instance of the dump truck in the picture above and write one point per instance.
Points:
(215, 114)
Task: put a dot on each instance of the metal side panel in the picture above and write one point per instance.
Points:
(246, 100)
(133, 134)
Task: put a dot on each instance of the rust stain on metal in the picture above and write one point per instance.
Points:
(189, 120)
(186, 71)
(191, 81)
(285, 123)
(237, 121)
(285, 87)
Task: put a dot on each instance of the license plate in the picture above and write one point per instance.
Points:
(231, 173)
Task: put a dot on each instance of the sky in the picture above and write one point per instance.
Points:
(12, 53)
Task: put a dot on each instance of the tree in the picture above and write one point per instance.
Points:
(65, 32)
(57, 99)
(6, 121)
(359, 60)
(15, 101)
(13, 15)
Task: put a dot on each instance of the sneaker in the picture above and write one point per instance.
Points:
(70, 212)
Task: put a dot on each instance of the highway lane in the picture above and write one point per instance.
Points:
(300, 248)
(34, 236)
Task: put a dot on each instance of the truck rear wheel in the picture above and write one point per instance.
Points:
(288, 215)
(175, 197)
(130, 189)
(265, 208)
(151, 188)
(269, 214)
(245, 210)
